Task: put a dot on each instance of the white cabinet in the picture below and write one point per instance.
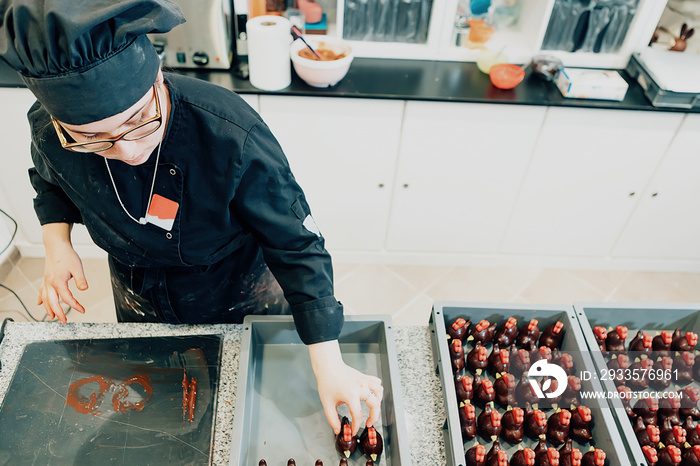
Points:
(666, 224)
(589, 169)
(16, 161)
(343, 153)
(458, 176)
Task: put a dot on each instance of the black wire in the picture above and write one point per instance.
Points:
(65, 312)
(13, 233)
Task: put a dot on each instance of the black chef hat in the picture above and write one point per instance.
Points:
(85, 60)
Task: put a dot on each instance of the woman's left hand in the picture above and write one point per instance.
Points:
(339, 384)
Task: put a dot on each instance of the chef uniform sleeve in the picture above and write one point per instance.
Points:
(51, 203)
(271, 204)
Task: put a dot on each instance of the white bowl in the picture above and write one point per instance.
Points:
(321, 73)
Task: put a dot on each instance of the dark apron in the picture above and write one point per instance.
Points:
(225, 292)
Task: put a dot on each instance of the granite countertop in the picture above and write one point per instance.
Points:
(435, 80)
(422, 393)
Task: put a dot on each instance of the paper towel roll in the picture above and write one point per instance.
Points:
(268, 52)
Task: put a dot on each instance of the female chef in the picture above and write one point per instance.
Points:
(177, 179)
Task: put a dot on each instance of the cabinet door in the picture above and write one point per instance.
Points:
(16, 160)
(666, 224)
(459, 171)
(586, 176)
(343, 153)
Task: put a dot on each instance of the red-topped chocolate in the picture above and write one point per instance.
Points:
(581, 423)
(345, 442)
(563, 360)
(535, 422)
(647, 409)
(505, 391)
(499, 360)
(684, 341)
(525, 457)
(476, 456)
(484, 393)
(615, 342)
(371, 443)
(594, 458)
(570, 458)
(670, 456)
(541, 446)
(641, 367)
(567, 447)
(464, 386)
(549, 457)
(459, 328)
(691, 457)
(558, 426)
(506, 333)
(692, 433)
(319, 463)
(618, 363)
(343, 462)
(528, 336)
(641, 343)
(291, 462)
(482, 332)
(492, 457)
(651, 455)
(661, 343)
(543, 352)
(524, 392)
(489, 423)
(457, 355)
(513, 422)
(262, 463)
(683, 368)
(499, 459)
(689, 402)
(570, 397)
(519, 361)
(647, 435)
(552, 335)
(669, 409)
(467, 420)
(662, 367)
(601, 335)
(369, 462)
(478, 358)
(672, 435)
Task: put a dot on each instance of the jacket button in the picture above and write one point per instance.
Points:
(173, 172)
(169, 235)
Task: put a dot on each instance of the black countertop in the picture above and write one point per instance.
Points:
(445, 81)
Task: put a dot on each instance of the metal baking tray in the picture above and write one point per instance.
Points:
(635, 316)
(659, 97)
(605, 433)
(278, 413)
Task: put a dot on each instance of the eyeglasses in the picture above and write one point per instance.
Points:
(139, 131)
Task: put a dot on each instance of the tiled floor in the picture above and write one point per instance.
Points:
(405, 292)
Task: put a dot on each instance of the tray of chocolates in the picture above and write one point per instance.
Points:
(645, 355)
(514, 390)
(279, 418)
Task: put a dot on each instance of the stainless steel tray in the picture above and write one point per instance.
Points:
(278, 412)
(635, 316)
(605, 433)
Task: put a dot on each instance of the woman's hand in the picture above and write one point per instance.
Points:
(62, 263)
(339, 384)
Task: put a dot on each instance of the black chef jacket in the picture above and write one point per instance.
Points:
(231, 180)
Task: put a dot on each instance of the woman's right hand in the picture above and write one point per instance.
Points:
(62, 263)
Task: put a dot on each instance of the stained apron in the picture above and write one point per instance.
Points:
(225, 292)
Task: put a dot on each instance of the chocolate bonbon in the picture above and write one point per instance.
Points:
(558, 426)
(552, 335)
(506, 333)
(528, 336)
(371, 443)
(345, 442)
(513, 425)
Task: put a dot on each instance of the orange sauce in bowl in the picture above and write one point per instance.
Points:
(325, 54)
